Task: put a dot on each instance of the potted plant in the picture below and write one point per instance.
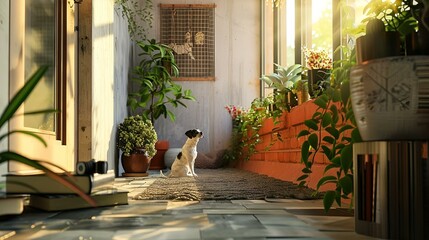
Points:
(394, 28)
(287, 81)
(389, 83)
(156, 91)
(136, 140)
(319, 65)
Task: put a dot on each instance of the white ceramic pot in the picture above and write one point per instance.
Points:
(170, 156)
(390, 98)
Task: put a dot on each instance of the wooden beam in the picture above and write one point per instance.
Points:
(84, 81)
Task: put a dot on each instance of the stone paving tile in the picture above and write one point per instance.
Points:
(214, 219)
(247, 201)
(233, 222)
(135, 192)
(129, 186)
(140, 182)
(70, 235)
(132, 223)
(136, 209)
(205, 205)
(246, 211)
(330, 223)
(279, 220)
(159, 233)
(266, 232)
(272, 206)
(348, 236)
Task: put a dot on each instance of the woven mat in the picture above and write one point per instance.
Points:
(224, 184)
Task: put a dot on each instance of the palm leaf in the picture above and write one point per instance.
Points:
(12, 156)
(21, 95)
(25, 132)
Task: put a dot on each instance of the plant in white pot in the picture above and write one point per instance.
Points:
(156, 91)
(136, 140)
(390, 81)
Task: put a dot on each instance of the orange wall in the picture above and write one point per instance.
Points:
(282, 160)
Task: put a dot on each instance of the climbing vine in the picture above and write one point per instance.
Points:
(138, 15)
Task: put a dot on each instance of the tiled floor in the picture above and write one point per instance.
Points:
(241, 219)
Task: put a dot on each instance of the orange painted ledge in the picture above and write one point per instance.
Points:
(287, 171)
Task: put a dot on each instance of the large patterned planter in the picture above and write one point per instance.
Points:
(390, 98)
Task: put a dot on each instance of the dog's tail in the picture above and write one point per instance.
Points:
(162, 174)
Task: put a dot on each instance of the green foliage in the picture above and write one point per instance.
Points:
(286, 81)
(246, 127)
(135, 135)
(139, 18)
(332, 131)
(396, 15)
(6, 156)
(156, 90)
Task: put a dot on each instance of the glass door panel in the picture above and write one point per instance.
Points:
(39, 45)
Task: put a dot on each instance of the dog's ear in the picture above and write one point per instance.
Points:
(190, 134)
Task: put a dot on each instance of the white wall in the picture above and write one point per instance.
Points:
(4, 71)
(237, 31)
(122, 65)
(110, 61)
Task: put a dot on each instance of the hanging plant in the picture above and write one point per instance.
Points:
(138, 15)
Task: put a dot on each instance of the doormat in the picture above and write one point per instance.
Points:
(224, 184)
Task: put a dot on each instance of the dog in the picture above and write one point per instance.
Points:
(184, 164)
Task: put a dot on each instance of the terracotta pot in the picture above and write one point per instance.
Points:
(157, 162)
(135, 164)
(303, 96)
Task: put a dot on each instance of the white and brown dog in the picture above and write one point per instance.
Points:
(183, 165)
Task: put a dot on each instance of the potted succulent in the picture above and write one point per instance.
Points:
(388, 81)
(287, 81)
(156, 91)
(136, 140)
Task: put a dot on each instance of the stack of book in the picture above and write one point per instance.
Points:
(50, 195)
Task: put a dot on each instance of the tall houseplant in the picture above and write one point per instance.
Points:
(156, 91)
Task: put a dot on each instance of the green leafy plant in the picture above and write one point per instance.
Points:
(396, 15)
(246, 129)
(410, 18)
(135, 135)
(7, 155)
(331, 131)
(286, 81)
(139, 18)
(156, 89)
